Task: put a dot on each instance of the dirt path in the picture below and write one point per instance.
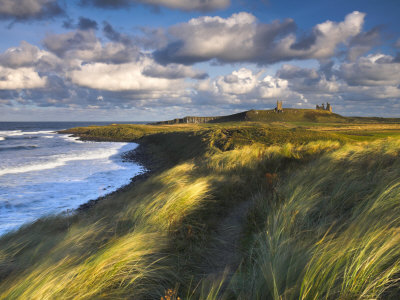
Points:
(225, 253)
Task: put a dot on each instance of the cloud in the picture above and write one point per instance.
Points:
(293, 72)
(75, 40)
(314, 85)
(83, 24)
(23, 56)
(22, 78)
(241, 38)
(238, 82)
(234, 39)
(362, 95)
(123, 77)
(173, 71)
(192, 5)
(85, 46)
(23, 10)
(363, 42)
(27, 55)
(114, 35)
(244, 89)
(374, 69)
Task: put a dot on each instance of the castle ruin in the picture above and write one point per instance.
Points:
(328, 107)
(278, 107)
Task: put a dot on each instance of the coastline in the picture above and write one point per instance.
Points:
(138, 156)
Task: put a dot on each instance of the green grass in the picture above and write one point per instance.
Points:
(322, 221)
(300, 116)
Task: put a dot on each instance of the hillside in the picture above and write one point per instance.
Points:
(237, 210)
(288, 115)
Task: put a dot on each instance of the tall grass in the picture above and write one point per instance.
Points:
(331, 230)
(114, 253)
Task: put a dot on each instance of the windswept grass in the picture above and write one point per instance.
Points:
(331, 230)
(321, 221)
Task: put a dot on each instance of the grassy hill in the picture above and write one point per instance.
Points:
(288, 115)
(233, 210)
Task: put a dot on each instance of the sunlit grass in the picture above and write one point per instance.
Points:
(331, 230)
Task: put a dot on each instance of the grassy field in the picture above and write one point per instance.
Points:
(311, 116)
(233, 211)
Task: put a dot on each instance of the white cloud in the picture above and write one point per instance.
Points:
(121, 77)
(374, 69)
(27, 55)
(272, 87)
(22, 78)
(330, 34)
(245, 88)
(241, 38)
(22, 56)
(238, 82)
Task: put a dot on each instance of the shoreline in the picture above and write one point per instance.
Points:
(138, 156)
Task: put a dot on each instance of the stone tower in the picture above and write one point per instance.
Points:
(278, 107)
(328, 107)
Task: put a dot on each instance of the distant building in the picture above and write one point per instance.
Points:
(328, 107)
(278, 107)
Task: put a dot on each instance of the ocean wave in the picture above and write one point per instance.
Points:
(71, 138)
(60, 160)
(8, 133)
(21, 137)
(1, 138)
(14, 148)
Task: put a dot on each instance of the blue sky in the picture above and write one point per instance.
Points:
(135, 60)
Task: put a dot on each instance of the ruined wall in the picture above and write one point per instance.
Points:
(187, 120)
(322, 107)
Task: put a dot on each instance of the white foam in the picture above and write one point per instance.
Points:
(61, 160)
(1, 138)
(20, 132)
(10, 132)
(71, 138)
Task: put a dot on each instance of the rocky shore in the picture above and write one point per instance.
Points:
(137, 156)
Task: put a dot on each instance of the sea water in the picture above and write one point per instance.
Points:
(43, 172)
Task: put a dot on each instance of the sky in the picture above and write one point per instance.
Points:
(147, 60)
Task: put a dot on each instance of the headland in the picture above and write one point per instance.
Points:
(257, 205)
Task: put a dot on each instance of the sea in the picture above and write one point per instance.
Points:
(43, 172)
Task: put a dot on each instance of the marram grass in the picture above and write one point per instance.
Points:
(335, 232)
